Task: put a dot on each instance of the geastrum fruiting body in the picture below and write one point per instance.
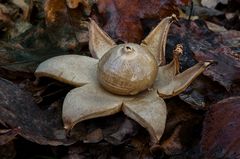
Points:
(128, 77)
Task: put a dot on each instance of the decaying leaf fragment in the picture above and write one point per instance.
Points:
(221, 135)
(207, 45)
(212, 3)
(7, 135)
(67, 29)
(123, 18)
(87, 4)
(18, 110)
(26, 7)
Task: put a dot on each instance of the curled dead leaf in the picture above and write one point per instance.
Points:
(119, 19)
(206, 45)
(18, 110)
(220, 136)
(66, 28)
(26, 7)
(8, 135)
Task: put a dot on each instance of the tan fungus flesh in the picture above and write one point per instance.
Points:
(99, 41)
(168, 72)
(170, 82)
(71, 69)
(156, 40)
(149, 110)
(180, 82)
(87, 102)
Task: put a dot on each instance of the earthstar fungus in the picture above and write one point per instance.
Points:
(121, 67)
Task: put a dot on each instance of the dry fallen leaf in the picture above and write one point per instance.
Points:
(127, 129)
(122, 17)
(26, 7)
(8, 151)
(203, 92)
(220, 136)
(68, 28)
(7, 135)
(87, 5)
(18, 110)
(94, 136)
(206, 45)
(212, 3)
(182, 130)
(15, 59)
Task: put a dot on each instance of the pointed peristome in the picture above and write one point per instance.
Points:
(149, 111)
(155, 42)
(99, 41)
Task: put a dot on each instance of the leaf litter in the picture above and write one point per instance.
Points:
(129, 139)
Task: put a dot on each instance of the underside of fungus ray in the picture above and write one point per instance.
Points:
(124, 77)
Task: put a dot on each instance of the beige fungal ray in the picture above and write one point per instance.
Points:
(149, 110)
(168, 72)
(71, 69)
(170, 82)
(181, 81)
(99, 41)
(87, 102)
(157, 38)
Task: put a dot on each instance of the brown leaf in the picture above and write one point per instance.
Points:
(8, 151)
(220, 136)
(122, 17)
(182, 130)
(8, 135)
(127, 129)
(207, 45)
(94, 136)
(17, 109)
(66, 27)
(212, 3)
(87, 5)
(5, 18)
(203, 92)
(25, 7)
(15, 59)
(173, 145)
